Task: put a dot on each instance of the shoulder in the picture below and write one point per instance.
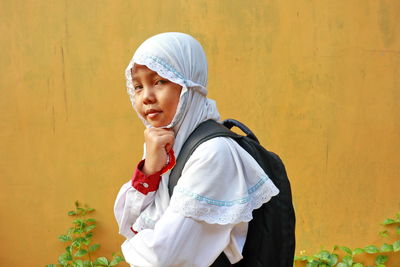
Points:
(221, 151)
(215, 146)
(214, 154)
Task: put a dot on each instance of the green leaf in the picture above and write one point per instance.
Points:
(71, 230)
(323, 255)
(313, 264)
(89, 228)
(91, 220)
(310, 258)
(80, 239)
(387, 248)
(358, 251)
(71, 213)
(78, 231)
(371, 249)
(333, 259)
(94, 247)
(87, 263)
(64, 258)
(77, 243)
(78, 263)
(89, 235)
(68, 249)
(101, 261)
(116, 260)
(348, 260)
(300, 258)
(381, 259)
(347, 250)
(388, 221)
(384, 233)
(357, 265)
(81, 253)
(64, 238)
(81, 210)
(341, 264)
(78, 222)
(51, 265)
(396, 246)
(398, 230)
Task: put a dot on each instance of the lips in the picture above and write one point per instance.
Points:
(151, 113)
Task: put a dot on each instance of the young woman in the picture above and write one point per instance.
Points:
(221, 184)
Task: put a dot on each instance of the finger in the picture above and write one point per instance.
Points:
(160, 135)
(160, 141)
(168, 147)
(166, 139)
(158, 132)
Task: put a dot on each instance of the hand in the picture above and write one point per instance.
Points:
(159, 142)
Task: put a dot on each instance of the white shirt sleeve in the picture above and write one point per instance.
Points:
(128, 206)
(179, 241)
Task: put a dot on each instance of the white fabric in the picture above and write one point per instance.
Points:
(180, 241)
(164, 247)
(230, 192)
(220, 185)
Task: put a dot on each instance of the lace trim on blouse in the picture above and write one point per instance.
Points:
(213, 211)
(144, 222)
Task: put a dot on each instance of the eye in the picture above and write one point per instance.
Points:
(161, 82)
(138, 87)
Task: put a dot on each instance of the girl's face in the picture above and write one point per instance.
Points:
(156, 98)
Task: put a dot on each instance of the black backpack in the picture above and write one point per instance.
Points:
(270, 239)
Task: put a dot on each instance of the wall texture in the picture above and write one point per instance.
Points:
(317, 81)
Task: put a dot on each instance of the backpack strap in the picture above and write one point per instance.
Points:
(205, 131)
(229, 123)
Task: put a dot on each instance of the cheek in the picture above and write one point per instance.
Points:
(174, 101)
(137, 103)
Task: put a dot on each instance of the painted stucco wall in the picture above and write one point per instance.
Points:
(317, 81)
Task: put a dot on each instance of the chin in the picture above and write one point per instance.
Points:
(158, 124)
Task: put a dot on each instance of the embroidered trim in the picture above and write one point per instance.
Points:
(144, 222)
(167, 66)
(213, 211)
(224, 203)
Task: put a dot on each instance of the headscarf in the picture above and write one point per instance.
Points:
(179, 58)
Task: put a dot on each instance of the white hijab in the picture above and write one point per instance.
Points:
(179, 58)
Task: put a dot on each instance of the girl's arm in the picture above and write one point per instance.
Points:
(180, 241)
(136, 195)
(128, 205)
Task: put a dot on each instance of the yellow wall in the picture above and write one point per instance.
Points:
(318, 82)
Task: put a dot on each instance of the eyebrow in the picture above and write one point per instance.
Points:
(134, 77)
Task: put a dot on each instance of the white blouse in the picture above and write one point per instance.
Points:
(183, 236)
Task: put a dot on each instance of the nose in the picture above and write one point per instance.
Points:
(148, 95)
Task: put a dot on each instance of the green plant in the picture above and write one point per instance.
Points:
(78, 252)
(326, 258)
